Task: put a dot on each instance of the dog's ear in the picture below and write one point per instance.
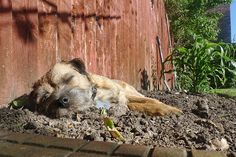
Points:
(79, 65)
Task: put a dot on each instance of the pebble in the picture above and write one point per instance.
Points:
(202, 108)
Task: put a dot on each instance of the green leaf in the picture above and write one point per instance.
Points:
(108, 122)
(116, 134)
(17, 104)
(112, 129)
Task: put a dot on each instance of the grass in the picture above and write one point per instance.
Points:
(229, 92)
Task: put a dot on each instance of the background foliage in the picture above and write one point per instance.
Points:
(201, 63)
(188, 17)
(205, 65)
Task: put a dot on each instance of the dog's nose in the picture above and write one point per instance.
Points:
(64, 102)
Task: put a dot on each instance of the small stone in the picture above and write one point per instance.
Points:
(220, 127)
(45, 122)
(137, 131)
(233, 154)
(144, 116)
(30, 126)
(221, 145)
(228, 138)
(89, 137)
(200, 139)
(202, 109)
(143, 122)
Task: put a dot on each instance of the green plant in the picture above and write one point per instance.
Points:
(224, 59)
(188, 17)
(110, 126)
(204, 65)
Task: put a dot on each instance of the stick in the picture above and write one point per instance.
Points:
(162, 63)
(171, 48)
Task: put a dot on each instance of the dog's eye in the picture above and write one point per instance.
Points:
(45, 97)
(67, 79)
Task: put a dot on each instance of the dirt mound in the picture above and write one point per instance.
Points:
(205, 119)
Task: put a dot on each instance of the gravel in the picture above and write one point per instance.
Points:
(206, 118)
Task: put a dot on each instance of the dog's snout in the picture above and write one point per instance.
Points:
(64, 102)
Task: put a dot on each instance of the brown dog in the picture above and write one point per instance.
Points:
(69, 87)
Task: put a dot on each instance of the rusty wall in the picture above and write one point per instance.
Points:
(115, 38)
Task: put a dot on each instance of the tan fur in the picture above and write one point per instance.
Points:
(107, 89)
(151, 106)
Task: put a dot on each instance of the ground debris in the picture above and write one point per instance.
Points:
(187, 130)
(217, 144)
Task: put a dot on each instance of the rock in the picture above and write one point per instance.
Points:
(89, 137)
(221, 145)
(143, 122)
(228, 138)
(137, 131)
(220, 127)
(233, 154)
(118, 110)
(200, 138)
(29, 126)
(202, 109)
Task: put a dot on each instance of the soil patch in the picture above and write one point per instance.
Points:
(205, 118)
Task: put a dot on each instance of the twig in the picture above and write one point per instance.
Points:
(170, 48)
(162, 63)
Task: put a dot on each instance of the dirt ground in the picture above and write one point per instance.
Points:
(206, 118)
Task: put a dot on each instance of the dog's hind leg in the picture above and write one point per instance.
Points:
(151, 106)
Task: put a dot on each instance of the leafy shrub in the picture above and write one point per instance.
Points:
(204, 65)
(188, 17)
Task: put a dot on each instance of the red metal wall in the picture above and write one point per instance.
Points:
(116, 38)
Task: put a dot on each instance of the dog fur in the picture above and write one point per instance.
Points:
(71, 78)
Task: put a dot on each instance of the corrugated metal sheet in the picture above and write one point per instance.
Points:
(116, 38)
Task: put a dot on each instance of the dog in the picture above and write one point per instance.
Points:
(69, 87)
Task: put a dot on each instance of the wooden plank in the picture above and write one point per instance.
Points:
(148, 41)
(125, 42)
(99, 38)
(141, 49)
(107, 40)
(64, 29)
(6, 56)
(159, 31)
(32, 41)
(115, 17)
(21, 33)
(78, 28)
(90, 34)
(146, 8)
(132, 47)
(47, 37)
(127, 33)
(136, 46)
(119, 42)
(153, 15)
(170, 76)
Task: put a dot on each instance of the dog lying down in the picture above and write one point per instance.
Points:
(68, 87)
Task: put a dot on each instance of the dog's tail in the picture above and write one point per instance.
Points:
(150, 106)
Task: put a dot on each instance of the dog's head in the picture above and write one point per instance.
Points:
(64, 89)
